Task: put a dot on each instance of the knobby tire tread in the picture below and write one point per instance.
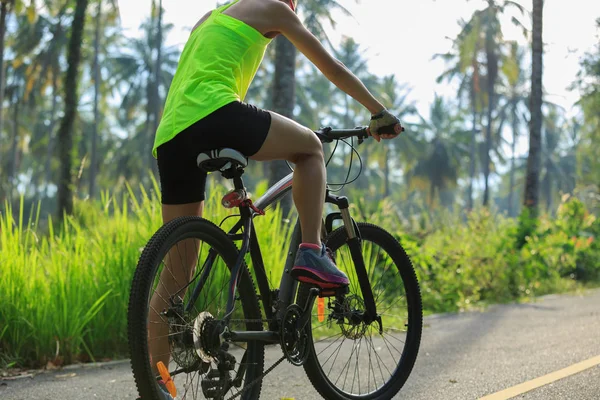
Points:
(385, 240)
(161, 241)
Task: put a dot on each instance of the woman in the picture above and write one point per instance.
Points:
(204, 110)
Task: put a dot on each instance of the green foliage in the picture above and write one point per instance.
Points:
(466, 262)
(588, 84)
(64, 293)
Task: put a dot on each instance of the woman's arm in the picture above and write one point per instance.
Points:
(288, 23)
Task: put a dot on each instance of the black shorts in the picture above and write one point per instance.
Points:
(237, 125)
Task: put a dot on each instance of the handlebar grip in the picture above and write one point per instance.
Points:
(395, 129)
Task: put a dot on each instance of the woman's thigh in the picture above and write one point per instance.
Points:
(287, 140)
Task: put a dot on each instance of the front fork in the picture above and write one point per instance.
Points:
(354, 243)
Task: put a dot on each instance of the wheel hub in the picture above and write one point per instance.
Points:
(180, 335)
(352, 321)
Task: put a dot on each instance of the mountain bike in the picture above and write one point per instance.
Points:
(358, 342)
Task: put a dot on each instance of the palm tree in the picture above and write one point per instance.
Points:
(3, 13)
(313, 96)
(156, 84)
(65, 133)
(588, 84)
(487, 26)
(133, 75)
(440, 167)
(284, 79)
(5, 7)
(560, 143)
(465, 66)
(404, 151)
(38, 44)
(351, 113)
(514, 98)
(535, 128)
(14, 91)
(109, 17)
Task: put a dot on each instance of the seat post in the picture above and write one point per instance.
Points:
(238, 183)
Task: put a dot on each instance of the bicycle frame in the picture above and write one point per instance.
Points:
(288, 286)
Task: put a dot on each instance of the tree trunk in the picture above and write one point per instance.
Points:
(50, 145)
(531, 199)
(386, 172)
(65, 132)
(284, 100)
(431, 194)
(473, 154)
(487, 159)
(3, 13)
(492, 73)
(12, 170)
(488, 143)
(473, 146)
(157, 101)
(513, 146)
(548, 191)
(94, 155)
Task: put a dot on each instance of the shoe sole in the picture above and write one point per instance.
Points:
(325, 281)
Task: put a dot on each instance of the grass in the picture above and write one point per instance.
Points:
(64, 288)
(64, 294)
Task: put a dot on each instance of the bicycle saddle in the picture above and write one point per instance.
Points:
(221, 160)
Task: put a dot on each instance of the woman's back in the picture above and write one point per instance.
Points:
(216, 67)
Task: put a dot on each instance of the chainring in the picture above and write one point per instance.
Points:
(294, 340)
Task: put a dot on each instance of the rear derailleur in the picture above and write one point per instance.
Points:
(219, 381)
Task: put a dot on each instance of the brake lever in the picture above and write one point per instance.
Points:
(364, 136)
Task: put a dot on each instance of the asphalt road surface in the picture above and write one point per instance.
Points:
(550, 348)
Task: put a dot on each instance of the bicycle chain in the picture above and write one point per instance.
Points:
(260, 378)
(264, 374)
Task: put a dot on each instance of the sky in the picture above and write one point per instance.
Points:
(401, 36)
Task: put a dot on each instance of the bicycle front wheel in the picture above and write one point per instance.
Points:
(348, 357)
(178, 299)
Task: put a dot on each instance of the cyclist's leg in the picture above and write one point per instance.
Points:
(293, 142)
(178, 269)
(182, 186)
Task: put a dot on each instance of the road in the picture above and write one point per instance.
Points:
(463, 356)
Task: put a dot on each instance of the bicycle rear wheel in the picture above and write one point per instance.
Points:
(351, 359)
(184, 255)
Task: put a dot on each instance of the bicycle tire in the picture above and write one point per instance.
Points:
(150, 259)
(314, 370)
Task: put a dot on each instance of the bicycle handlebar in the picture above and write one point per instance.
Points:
(328, 135)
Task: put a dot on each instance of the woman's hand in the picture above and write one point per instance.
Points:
(384, 125)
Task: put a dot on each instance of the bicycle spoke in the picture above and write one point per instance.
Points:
(331, 344)
(382, 353)
(336, 355)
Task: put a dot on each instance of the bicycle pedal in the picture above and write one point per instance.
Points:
(342, 291)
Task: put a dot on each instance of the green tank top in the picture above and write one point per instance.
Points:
(216, 67)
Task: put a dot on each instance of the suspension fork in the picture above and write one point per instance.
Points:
(354, 243)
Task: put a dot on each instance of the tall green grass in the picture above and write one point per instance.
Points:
(64, 294)
(64, 288)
